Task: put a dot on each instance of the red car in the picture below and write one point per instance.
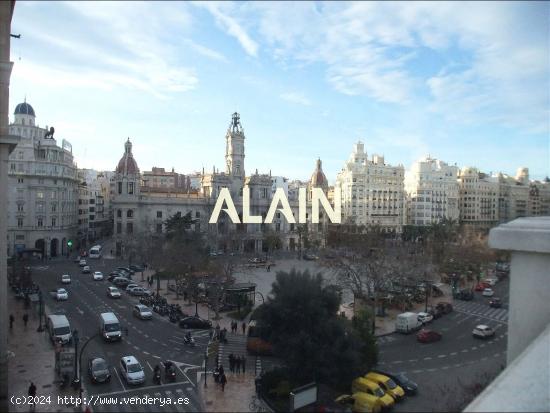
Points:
(428, 336)
(481, 286)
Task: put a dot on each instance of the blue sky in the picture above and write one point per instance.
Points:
(466, 83)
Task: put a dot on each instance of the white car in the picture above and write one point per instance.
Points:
(130, 287)
(61, 294)
(143, 312)
(86, 269)
(131, 370)
(425, 318)
(488, 292)
(483, 331)
(98, 276)
(82, 263)
(490, 281)
(65, 279)
(113, 292)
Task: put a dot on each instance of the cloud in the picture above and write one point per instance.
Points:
(207, 52)
(295, 97)
(230, 25)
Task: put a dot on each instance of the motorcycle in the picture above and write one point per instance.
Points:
(169, 371)
(189, 341)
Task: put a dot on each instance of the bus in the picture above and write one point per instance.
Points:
(95, 251)
(256, 342)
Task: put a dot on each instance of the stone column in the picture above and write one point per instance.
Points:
(7, 144)
(528, 239)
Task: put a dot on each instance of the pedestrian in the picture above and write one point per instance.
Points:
(243, 362)
(25, 319)
(217, 375)
(244, 328)
(217, 331)
(32, 394)
(223, 380)
(231, 363)
(238, 364)
(12, 319)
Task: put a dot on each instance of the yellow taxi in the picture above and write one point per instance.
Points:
(364, 385)
(387, 384)
(361, 402)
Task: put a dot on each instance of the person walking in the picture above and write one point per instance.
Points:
(238, 364)
(32, 394)
(223, 380)
(25, 319)
(12, 319)
(231, 363)
(244, 328)
(243, 362)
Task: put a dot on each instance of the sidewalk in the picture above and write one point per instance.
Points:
(31, 358)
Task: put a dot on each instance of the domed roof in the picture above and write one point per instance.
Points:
(318, 179)
(127, 164)
(24, 109)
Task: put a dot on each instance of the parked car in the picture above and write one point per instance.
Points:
(143, 312)
(121, 282)
(481, 286)
(364, 385)
(428, 336)
(195, 322)
(99, 370)
(490, 281)
(425, 318)
(82, 263)
(61, 294)
(445, 307)
(98, 276)
(136, 268)
(495, 302)
(410, 387)
(128, 270)
(113, 292)
(131, 370)
(65, 279)
(86, 269)
(488, 292)
(387, 384)
(139, 291)
(130, 287)
(465, 295)
(483, 331)
(360, 402)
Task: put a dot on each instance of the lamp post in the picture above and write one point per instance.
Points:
(205, 364)
(76, 339)
(40, 312)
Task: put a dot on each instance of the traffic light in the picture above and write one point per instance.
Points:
(69, 243)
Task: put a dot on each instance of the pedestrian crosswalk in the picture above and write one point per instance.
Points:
(482, 310)
(176, 397)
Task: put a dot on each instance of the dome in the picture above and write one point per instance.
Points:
(127, 164)
(24, 109)
(318, 179)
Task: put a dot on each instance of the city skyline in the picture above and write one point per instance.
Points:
(446, 87)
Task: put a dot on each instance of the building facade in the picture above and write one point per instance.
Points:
(372, 191)
(478, 198)
(43, 189)
(432, 192)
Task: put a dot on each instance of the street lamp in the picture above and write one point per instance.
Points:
(40, 312)
(205, 363)
(75, 338)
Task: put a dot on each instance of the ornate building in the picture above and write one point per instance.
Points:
(43, 189)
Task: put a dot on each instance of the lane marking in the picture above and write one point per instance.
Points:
(118, 377)
(147, 361)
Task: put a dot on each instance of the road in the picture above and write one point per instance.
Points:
(150, 341)
(444, 369)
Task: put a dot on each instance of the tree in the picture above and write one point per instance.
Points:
(303, 237)
(306, 332)
(272, 240)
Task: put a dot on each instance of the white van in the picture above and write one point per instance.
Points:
(407, 323)
(59, 329)
(109, 327)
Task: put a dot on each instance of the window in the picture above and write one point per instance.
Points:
(40, 195)
(20, 208)
(20, 155)
(19, 222)
(130, 188)
(119, 213)
(19, 180)
(41, 181)
(159, 228)
(278, 227)
(53, 222)
(159, 214)
(12, 167)
(129, 228)
(130, 213)
(197, 214)
(54, 206)
(53, 195)
(118, 227)
(40, 222)
(120, 187)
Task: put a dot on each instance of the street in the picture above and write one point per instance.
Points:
(150, 341)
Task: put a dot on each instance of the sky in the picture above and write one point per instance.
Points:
(467, 83)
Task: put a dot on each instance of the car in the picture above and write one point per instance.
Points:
(425, 318)
(61, 294)
(481, 286)
(483, 331)
(195, 322)
(361, 384)
(495, 302)
(446, 308)
(410, 387)
(143, 312)
(98, 276)
(131, 370)
(428, 336)
(76, 260)
(99, 370)
(128, 270)
(86, 269)
(359, 402)
(113, 292)
(121, 282)
(488, 292)
(147, 292)
(130, 287)
(465, 295)
(138, 291)
(82, 263)
(436, 312)
(387, 384)
(136, 268)
(490, 281)
(111, 277)
(65, 279)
